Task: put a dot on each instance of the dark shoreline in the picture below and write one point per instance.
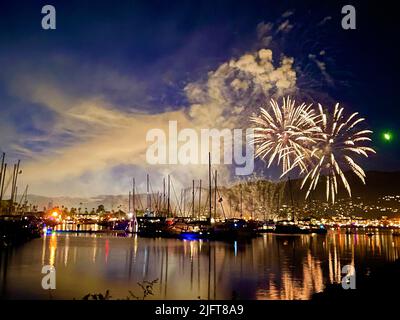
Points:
(380, 283)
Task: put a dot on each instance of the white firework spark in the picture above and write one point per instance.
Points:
(285, 133)
(337, 141)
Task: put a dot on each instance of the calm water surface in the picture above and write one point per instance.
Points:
(268, 267)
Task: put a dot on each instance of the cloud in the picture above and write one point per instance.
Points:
(7, 134)
(322, 67)
(263, 34)
(95, 142)
(324, 20)
(287, 13)
(237, 87)
(285, 26)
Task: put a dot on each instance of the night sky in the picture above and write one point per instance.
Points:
(74, 100)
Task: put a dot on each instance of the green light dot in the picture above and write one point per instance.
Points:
(387, 136)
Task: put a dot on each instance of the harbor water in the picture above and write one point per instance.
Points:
(271, 266)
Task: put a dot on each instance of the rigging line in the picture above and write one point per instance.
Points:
(222, 206)
(140, 201)
(141, 204)
(230, 206)
(156, 201)
(205, 207)
(23, 195)
(217, 190)
(7, 183)
(191, 203)
(176, 197)
(152, 194)
(176, 210)
(200, 206)
(213, 192)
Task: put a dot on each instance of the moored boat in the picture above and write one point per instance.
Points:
(290, 227)
(233, 229)
(151, 226)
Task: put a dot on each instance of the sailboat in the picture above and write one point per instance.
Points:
(293, 227)
(193, 229)
(151, 224)
(289, 226)
(132, 224)
(233, 228)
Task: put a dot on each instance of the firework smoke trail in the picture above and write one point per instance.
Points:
(335, 145)
(284, 133)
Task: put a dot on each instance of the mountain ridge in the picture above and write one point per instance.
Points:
(378, 184)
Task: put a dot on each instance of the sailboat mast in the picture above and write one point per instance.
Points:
(148, 204)
(241, 201)
(264, 204)
(2, 182)
(168, 199)
(291, 197)
(181, 202)
(230, 206)
(26, 198)
(2, 168)
(133, 195)
(193, 199)
(215, 195)
(129, 202)
(23, 196)
(199, 198)
(12, 190)
(252, 207)
(2, 176)
(209, 183)
(184, 202)
(278, 204)
(12, 185)
(163, 205)
(14, 199)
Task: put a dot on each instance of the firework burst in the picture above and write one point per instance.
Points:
(334, 146)
(285, 133)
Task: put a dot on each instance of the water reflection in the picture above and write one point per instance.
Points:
(269, 267)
